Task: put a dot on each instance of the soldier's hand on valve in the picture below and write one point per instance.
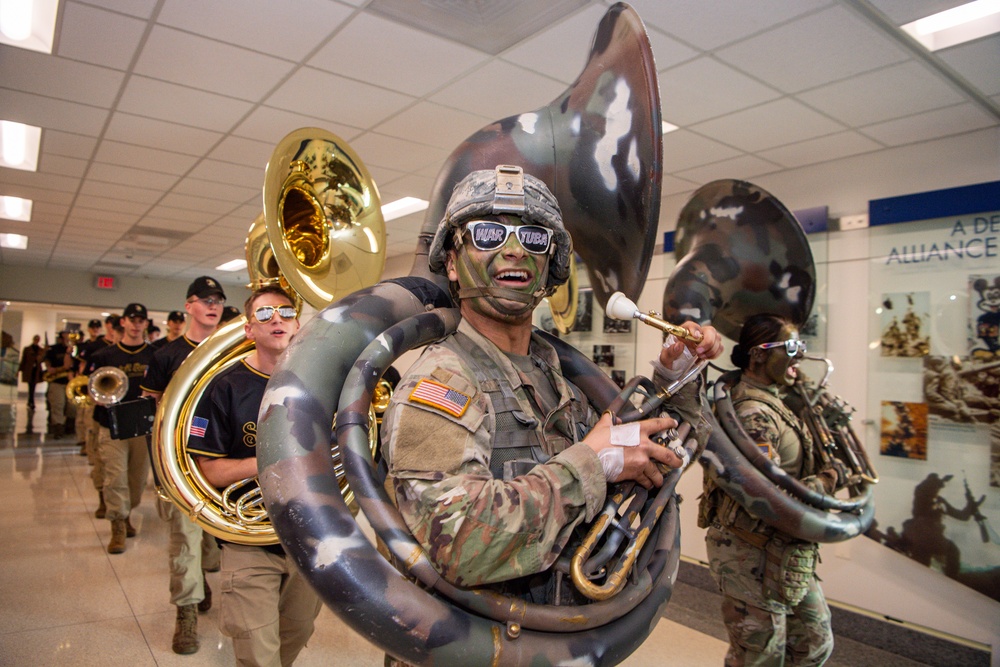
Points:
(709, 346)
(628, 451)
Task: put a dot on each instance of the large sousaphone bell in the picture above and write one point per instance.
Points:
(321, 236)
(598, 147)
(741, 252)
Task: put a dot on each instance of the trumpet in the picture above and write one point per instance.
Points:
(107, 385)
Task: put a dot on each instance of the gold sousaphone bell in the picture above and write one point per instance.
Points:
(321, 237)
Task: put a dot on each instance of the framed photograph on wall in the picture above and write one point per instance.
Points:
(904, 430)
(604, 355)
(984, 317)
(585, 311)
(905, 324)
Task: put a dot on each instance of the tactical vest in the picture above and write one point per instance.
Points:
(718, 507)
(518, 442)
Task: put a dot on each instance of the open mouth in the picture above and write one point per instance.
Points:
(513, 278)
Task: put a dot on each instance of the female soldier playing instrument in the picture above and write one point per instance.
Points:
(773, 607)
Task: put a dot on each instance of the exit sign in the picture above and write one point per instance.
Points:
(106, 282)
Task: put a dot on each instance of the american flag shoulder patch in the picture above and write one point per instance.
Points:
(198, 426)
(440, 396)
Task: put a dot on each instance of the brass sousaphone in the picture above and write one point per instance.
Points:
(321, 236)
(598, 148)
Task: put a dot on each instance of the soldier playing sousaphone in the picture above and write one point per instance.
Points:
(493, 456)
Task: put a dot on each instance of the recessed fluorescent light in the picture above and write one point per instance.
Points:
(28, 24)
(19, 145)
(234, 265)
(404, 206)
(957, 25)
(16, 241)
(669, 127)
(15, 208)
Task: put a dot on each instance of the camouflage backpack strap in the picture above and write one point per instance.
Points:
(790, 418)
(516, 435)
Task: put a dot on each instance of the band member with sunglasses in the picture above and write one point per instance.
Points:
(773, 606)
(493, 456)
(192, 551)
(266, 606)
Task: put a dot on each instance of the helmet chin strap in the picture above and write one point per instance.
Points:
(491, 292)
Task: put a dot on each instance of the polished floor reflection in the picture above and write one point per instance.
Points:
(65, 601)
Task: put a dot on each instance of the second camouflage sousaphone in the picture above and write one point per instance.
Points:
(321, 237)
(742, 252)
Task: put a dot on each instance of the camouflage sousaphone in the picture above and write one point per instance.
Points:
(598, 148)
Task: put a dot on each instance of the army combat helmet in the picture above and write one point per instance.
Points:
(504, 190)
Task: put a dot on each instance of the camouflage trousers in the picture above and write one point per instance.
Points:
(759, 638)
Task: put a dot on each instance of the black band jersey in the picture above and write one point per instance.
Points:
(225, 420)
(133, 359)
(54, 357)
(166, 360)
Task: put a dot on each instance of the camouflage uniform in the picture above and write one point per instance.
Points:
(773, 606)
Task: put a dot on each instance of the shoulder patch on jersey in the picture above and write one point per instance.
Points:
(440, 396)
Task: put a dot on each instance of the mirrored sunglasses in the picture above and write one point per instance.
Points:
(793, 346)
(265, 313)
(490, 235)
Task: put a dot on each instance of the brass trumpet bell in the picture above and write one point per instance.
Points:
(76, 390)
(323, 217)
(107, 385)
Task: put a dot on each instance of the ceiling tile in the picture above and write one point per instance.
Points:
(406, 60)
(405, 155)
(140, 8)
(344, 100)
(48, 113)
(249, 176)
(410, 185)
(978, 62)
(14, 180)
(667, 51)
(63, 166)
(181, 214)
(709, 24)
(498, 90)
(683, 150)
(905, 11)
(177, 104)
(140, 131)
(126, 191)
(776, 123)
(201, 204)
(112, 219)
(112, 173)
(143, 157)
(895, 91)
(131, 208)
(286, 30)
(673, 185)
(179, 57)
(271, 125)
(59, 78)
(55, 142)
(99, 37)
(233, 194)
(576, 34)
(824, 149)
(831, 45)
(744, 167)
(239, 150)
(725, 90)
(434, 125)
(930, 125)
(154, 222)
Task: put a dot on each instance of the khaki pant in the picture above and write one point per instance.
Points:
(91, 437)
(60, 409)
(191, 550)
(266, 607)
(126, 467)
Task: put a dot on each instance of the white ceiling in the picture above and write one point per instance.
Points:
(158, 116)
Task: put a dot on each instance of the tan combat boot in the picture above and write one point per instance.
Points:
(102, 509)
(117, 543)
(130, 530)
(186, 630)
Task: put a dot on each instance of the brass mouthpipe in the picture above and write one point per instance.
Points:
(620, 307)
